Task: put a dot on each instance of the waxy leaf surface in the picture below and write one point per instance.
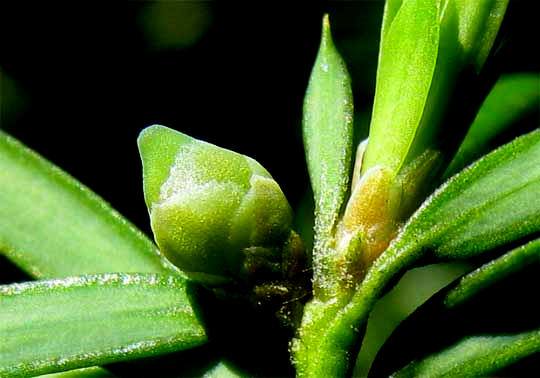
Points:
(90, 372)
(327, 128)
(475, 356)
(492, 272)
(513, 98)
(328, 135)
(53, 226)
(407, 59)
(55, 325)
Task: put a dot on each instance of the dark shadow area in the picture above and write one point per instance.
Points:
(509, 306)
(10, 273)
(245, 335)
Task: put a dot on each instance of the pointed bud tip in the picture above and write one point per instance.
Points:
(147, 133)
(155, 133)
(158, 146)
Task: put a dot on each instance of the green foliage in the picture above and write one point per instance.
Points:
(426, 48)
(513, 98)
(430, 83)
(91, 372)
(328, 134)
(456, 222)
(53, 226)
(223, 228)
(93, 319)
(407, 59)
(492, 202)
(223, 370)
(496, 270)
(475, 356)
(452, 223)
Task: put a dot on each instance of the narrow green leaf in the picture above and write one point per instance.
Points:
(328, 135)
(52, 226)
(56, 325)
(413, 289)
(90, 372)
(467, 33)
(477, 26)
(492, 203)
(428, 87)
(328, 127)
(407, 60)
(475, 356)
(513, 98)
(494, 271)
(391, 8)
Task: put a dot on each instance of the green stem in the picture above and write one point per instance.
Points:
(333, 328)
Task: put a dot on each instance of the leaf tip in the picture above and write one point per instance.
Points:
(326, 36)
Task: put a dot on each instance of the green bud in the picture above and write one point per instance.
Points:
(217, 215)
